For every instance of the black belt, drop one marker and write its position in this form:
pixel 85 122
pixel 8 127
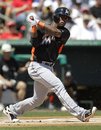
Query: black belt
pixel 47 63
pixel 44 62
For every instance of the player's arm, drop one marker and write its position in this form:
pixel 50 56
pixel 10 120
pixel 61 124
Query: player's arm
pixel 33 31
pixel 49 29
pixel 33 21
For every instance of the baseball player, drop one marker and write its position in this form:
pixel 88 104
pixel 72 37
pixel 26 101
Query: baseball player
pixel 47 43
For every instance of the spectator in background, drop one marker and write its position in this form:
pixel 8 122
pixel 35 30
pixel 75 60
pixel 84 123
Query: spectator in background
pixel 75 14
pixel 82 10
pixel 3 6
pixel 11 32
pixel 91 3
pixel 36 8
pixel 96 9
pixel 47 12
pixel 60 3
pixel 9 70
pixel 76 9
pixel 70 85
pixel 83 31
pixel 68 3
pixel 98 29
pixel 1 30
pixel 17 11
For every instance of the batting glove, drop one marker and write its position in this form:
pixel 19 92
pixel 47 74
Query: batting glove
pixel 32 19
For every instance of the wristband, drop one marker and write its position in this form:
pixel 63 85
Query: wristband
pixel 34 29
pixel 41 24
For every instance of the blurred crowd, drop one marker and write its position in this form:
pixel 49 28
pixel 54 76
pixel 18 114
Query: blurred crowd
pixel 85 23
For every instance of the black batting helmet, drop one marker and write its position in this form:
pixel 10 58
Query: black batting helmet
pixel 61 11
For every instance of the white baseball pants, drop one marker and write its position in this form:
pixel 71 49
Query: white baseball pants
pixel 45 81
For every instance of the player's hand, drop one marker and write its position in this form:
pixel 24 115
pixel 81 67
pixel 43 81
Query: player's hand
pixel 32 20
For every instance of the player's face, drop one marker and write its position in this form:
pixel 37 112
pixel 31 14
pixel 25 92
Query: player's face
pixel 61 20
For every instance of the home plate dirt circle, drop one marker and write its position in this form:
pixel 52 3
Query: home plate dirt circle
pixel 58 121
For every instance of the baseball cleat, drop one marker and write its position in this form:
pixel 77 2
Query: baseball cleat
pixel 9 114
pixel 87 115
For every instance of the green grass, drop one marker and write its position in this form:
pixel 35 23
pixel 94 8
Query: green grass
pixel 55 128
pixel 46 113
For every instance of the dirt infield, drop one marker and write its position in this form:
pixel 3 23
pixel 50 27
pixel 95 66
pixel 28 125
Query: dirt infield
pixel 48 121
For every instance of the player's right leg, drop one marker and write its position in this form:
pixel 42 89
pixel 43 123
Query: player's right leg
pixel 40 93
